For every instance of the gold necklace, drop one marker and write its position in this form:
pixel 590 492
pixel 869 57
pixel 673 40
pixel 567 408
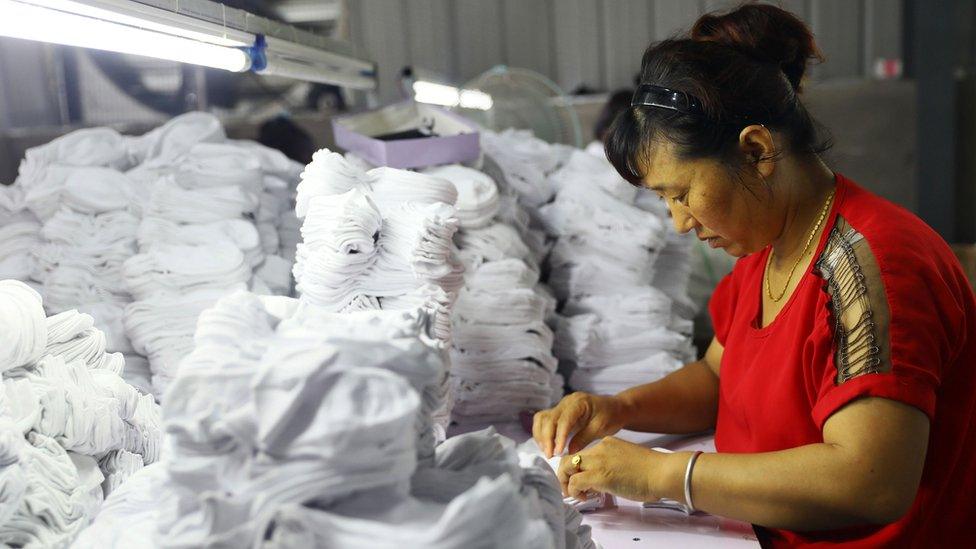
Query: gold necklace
pixel 806 248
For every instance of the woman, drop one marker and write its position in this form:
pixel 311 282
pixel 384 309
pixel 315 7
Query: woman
pixel 841 381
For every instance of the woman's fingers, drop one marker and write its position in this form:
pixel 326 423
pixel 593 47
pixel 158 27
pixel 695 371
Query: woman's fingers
pixel 566 424
pixel 544 430
pixel 581 483
pixel 584 437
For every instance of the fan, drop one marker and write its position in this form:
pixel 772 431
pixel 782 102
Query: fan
pixel 525 99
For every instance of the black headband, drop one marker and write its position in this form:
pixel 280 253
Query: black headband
pixel 652 95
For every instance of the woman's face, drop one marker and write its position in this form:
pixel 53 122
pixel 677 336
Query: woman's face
pixel 703 196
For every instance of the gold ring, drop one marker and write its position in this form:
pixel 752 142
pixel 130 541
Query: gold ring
pixel 577 461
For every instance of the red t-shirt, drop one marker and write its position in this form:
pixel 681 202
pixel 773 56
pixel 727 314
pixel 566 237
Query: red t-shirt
pixel 884 310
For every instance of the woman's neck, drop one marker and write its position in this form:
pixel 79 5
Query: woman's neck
pixel 806 184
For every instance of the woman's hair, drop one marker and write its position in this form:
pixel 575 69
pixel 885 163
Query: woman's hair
pixel 745 66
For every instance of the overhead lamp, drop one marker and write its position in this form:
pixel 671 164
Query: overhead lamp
pixel 33 21
pixel 450 96
pixel 134 14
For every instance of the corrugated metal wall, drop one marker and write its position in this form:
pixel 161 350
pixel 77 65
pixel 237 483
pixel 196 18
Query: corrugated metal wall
pixel 592 43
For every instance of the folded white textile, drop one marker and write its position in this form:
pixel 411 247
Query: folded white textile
pixel 613 379
pixel 272 161
pixel 161 326
pixel 582 168
pixel 330 174
pixel 20 403
pixel 590 341
pixel 275 272
pixel 240 233
pixel 85 147
pixel 128 517
pixel 118 466
pixel 174 138
pixel 68 226
pixel 525 163
pixel 493 243
pixel 23 326
pixel 199 205
pixel 95 190
pixel 220 165
pixel 53 509
pixel 501 274
pixel 500 307
pixel 177 268
pixel 138 373
pixel 413 523
pixel 19 236
pixel 90 480
pixel 109 319
pixel 13 468
pixel 76 412
pixel 477 202
pixel 498 400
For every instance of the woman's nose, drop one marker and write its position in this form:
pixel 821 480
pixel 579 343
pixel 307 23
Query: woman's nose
pixel 682 219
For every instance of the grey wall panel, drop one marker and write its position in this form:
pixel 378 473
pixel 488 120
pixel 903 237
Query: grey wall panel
pixel 479 36
pixel 628 30
pixel 838 26
pixel 674 16
pixel 882 31
pixel 800 8
pixel 430 25
pixel 28 95
pixel 528 34
pixel 718 5
pixel 577 39
pixel 378 26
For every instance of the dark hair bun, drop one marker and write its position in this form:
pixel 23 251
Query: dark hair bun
pixel 764 32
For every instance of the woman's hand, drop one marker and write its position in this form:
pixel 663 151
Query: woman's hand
pixel 588 416
pixel 616 467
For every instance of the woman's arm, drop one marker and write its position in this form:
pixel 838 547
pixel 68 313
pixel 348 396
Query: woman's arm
pixel 685 401
pixel 867 470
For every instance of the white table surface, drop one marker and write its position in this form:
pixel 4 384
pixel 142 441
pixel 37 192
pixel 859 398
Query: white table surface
pixel 627 524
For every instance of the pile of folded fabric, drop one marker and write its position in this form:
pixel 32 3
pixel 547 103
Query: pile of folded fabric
pixel 19 234
pixel 501 354
pixel 211 213
pixel 377 239
pixel 71 430
pixel 617 269
pixel 76 188
pixel 293 426
pixel 96 219
pixel 620 327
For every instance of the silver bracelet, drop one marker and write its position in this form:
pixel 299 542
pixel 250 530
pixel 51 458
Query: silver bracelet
pixel 689 506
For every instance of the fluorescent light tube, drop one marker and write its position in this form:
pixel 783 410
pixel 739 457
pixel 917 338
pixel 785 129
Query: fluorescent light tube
pixel 449 96
pixel 32 22
pixel 146 17
pixel 436 94
pixel 475 99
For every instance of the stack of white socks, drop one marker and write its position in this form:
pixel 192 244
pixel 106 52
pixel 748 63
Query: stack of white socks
pixel 501 356
pixel 617 269
pixel 96 219
pixel 212 223
pixel 291 426
pixel 71 430
pixel 380 239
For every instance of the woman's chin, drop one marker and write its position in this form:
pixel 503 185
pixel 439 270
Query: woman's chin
pixel 735 250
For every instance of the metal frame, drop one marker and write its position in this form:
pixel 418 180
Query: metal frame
pixel 290 51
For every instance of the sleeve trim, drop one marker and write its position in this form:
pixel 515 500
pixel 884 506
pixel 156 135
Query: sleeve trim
pixel 905 388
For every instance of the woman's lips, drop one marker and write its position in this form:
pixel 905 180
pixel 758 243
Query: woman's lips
pixel 715 242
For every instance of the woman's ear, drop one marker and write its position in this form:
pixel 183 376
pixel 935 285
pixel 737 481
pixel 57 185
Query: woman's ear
pixel 757 145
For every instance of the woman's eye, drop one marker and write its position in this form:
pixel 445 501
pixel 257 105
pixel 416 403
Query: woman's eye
pixel 683 199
